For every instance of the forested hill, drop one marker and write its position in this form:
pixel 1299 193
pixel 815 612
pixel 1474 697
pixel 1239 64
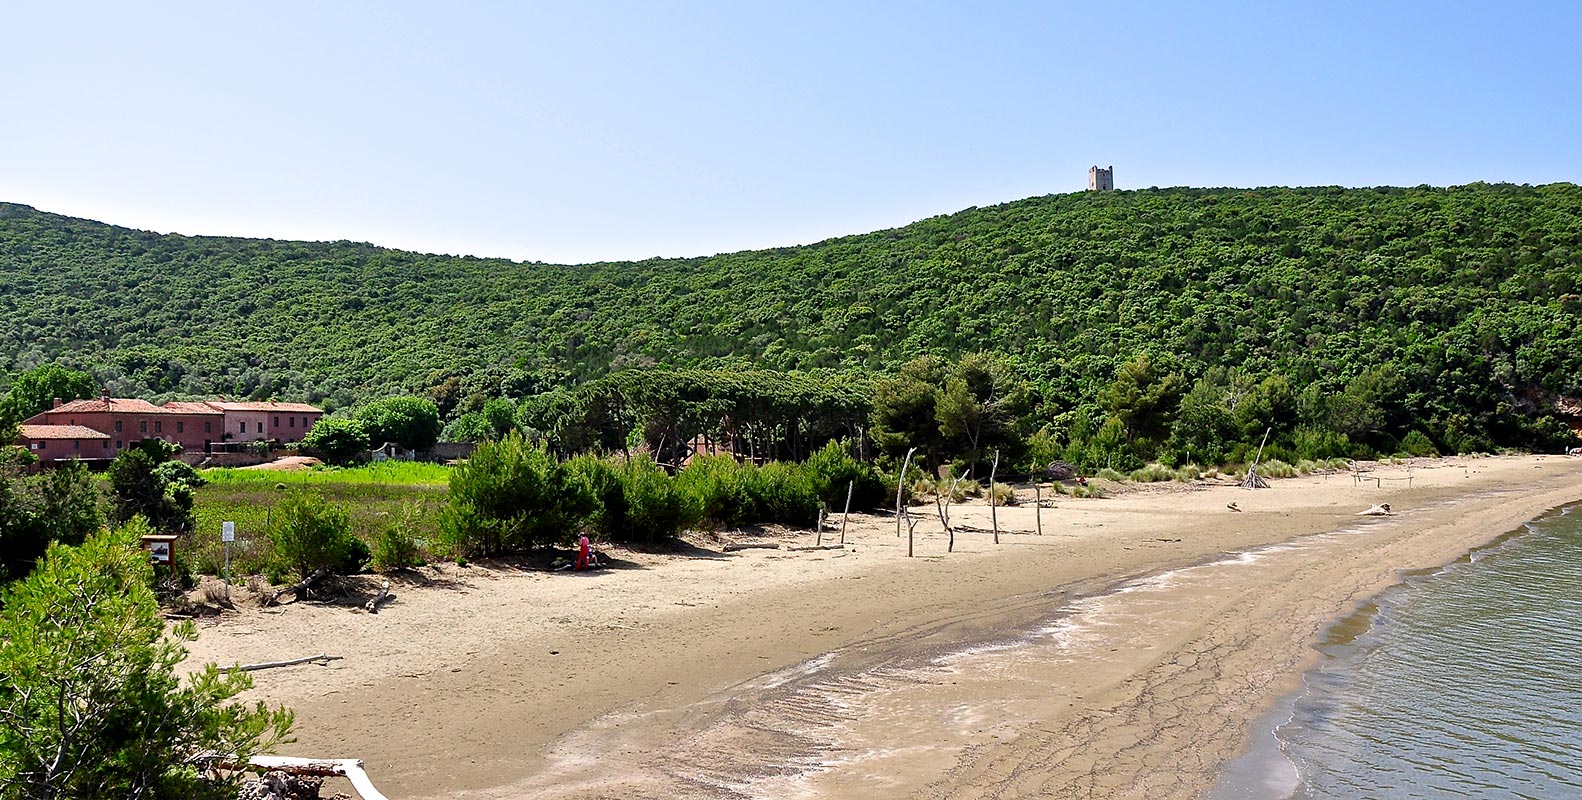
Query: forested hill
pixel 1472 292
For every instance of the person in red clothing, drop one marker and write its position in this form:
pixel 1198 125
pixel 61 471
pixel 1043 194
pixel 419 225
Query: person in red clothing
pixel 584 554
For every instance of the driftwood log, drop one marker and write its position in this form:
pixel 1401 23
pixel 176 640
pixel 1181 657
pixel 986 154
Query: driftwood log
pixel 734 546
pixel 348 768
pixel 806 547
pixel 297 588
pixel 976 529
pixel 384 596
pixel 321 657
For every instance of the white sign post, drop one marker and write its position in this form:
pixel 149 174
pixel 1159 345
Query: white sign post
pixel 227 535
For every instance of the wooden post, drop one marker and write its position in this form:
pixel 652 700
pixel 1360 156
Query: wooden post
pixel 899 483
pixel 994 516
pixel 819 526
pixel 910 526
pixel 944 512
pixel 846 513
pixel 1038 506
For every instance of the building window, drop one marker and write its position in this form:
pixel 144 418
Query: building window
pixel 117 426
pixel 277 422
pixel 159 427
pixel 260 427
pixel 304 422
pixel 142 426
pixel 208 427
pixel 241 427
pixel 104 444
pixel 76 444
pixel 118 444
pixel 292 420
pixel 181 427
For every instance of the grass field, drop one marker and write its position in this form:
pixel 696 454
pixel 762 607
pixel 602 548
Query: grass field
pixel 372 495
pixel 408 473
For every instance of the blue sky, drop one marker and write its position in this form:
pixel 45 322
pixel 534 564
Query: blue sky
pixel 579 131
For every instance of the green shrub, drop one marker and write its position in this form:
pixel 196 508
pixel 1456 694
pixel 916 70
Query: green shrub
pixel 92 705
pixel 716 489
pixel 179 472
pixel 609 494
pixel 1111 475
pixel 512 495
pixel 338 441
pixel 140 489
pixel 397 546
pixel 63 504
pixel 460 532
pixel 724 493
pixel 1318 444
pixel 1190 472
pixel 637 500
pixel 655 508
pixel 832 469
pixel 308 534
pixel 922 489
pixel 782 493
pixel 1417 443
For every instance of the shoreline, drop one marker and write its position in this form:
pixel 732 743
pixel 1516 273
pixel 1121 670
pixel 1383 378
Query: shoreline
pixel 1262 766
pixel 482 706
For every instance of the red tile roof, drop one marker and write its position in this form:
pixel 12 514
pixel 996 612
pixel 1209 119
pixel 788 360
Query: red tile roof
pixel 185 407
pixel 295 408
pixel 121 404
pixel 61 432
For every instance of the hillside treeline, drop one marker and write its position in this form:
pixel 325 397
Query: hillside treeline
pixel 1451 312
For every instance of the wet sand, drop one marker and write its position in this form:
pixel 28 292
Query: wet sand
pixel 1125 653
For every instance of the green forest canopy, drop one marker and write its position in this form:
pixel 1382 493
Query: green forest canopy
pixel 1465 299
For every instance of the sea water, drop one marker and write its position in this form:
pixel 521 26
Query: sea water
pixel 1461 682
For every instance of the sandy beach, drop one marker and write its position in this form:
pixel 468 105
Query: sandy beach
pixel 1124 653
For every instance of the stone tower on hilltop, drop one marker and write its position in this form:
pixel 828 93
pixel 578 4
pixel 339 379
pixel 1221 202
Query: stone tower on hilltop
pixel 1101 179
